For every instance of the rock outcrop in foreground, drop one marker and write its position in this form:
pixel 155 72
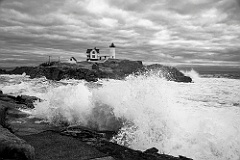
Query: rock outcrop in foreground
pixel 11 146
pixel 112 68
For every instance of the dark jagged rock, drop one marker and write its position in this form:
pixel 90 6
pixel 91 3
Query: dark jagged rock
pixel 7 98
pixel 121 68
pixel 2 71
pixel 98 139
pixel 112 68
pixel 119 152
pixel 151 150
pixel 170 73
pixel 3 111
pixel 28 70
pixel 50 145
pixel 25 100
pixel 12 147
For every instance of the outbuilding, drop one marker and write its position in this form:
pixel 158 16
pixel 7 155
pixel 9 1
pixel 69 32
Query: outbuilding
pixel 72 60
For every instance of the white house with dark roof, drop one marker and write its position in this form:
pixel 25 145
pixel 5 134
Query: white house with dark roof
pixel 93 55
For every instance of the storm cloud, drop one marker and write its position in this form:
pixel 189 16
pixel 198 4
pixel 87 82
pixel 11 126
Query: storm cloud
pixel 203 32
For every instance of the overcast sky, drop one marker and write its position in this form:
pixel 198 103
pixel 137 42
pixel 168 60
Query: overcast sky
pixel 174 32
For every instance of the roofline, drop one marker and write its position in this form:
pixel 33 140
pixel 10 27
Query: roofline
pixel 112 45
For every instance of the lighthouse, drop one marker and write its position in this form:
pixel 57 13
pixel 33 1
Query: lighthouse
pixel 112 51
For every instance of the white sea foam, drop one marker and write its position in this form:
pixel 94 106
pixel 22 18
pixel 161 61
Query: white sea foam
pixel 192 73
pixel 198 120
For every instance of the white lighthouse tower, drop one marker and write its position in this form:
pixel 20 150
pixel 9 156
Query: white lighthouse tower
pixel 112 51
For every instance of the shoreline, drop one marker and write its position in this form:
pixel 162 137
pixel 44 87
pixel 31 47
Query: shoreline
pixel 35 139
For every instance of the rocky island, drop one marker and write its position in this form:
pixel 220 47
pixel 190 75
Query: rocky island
pixel 112 68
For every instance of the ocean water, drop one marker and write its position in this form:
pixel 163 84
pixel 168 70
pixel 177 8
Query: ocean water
pixel 200 120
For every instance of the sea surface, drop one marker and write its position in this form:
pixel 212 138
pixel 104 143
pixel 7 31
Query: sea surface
pixel 200 120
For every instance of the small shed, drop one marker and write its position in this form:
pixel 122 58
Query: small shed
pixel 72 60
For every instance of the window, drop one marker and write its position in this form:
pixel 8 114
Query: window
pixel 93 55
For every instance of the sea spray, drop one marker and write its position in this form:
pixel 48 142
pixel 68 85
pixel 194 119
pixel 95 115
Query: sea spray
pixel 199 120
pixel 192 73
pixel 22 84
pixel 65 104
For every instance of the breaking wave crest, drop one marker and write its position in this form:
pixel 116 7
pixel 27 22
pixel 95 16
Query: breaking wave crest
pixel 198 120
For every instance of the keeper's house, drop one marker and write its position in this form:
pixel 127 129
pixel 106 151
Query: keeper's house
pixel 93 55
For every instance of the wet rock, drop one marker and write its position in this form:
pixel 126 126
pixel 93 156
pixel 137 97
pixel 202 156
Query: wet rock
pixel 184 158
pixel 27 100
pixel 12 147
pixel 24 101
pixel 3 111
pixel 151 150
pixel 81 132
pixel 183 79
pixel 7 98
pixel 50 145
pixel 104 158
pixel 170 73
pixel 98 140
